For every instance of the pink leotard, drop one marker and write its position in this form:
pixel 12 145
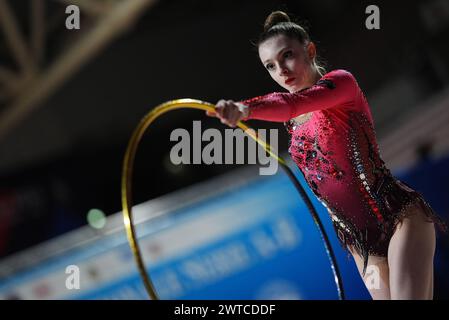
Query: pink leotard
pixel 337 152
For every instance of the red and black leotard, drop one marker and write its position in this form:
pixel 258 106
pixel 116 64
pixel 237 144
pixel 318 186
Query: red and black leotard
pixel 337 152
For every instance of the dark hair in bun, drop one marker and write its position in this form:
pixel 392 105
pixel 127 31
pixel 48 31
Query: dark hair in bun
pixel 275 18
pixel 278 22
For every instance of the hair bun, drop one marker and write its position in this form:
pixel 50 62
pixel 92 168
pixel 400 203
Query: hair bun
pixel 275 18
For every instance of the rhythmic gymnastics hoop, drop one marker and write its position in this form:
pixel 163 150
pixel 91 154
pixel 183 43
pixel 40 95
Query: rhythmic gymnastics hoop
pixel 127 171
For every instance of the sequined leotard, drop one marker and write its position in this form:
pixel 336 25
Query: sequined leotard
pixel 337 152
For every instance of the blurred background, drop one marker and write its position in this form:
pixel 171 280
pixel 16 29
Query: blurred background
pixel 70 99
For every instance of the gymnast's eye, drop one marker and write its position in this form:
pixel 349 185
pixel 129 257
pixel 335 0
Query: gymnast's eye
pixel 288 54
pixel 270 66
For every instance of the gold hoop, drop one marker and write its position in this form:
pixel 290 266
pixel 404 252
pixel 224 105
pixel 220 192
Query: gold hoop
pixel 127 172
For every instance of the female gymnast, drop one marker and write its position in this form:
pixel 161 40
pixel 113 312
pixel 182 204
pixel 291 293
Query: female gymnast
pixel 386 226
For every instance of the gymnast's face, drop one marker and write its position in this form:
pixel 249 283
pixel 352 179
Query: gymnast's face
pixel 289 62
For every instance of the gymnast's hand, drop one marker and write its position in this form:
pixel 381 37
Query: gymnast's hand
pixel 229 112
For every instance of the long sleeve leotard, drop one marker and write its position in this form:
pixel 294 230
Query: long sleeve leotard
pixel 337 152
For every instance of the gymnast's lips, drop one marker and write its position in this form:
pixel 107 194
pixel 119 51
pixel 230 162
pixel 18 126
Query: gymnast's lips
pixel 289 81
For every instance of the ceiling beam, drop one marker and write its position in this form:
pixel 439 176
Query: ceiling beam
pixel 14 38
pixel 111 24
